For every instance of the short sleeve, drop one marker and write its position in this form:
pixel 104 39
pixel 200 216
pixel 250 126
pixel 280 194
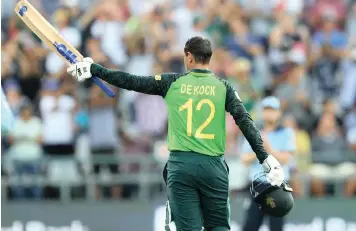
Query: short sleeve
pixel 339 41
pixel 67 103
pixel 46 104
pixel 290 140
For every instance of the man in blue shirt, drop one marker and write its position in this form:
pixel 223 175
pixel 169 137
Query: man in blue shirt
pixel 329 35
pixel 279 142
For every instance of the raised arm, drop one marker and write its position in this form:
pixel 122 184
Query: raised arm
pixel 153 85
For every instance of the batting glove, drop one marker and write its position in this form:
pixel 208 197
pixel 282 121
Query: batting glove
pixel 275 174
pixel 81 70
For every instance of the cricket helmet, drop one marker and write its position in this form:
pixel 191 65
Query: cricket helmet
pixel 272 200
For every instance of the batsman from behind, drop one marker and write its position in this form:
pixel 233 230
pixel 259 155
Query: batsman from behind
pixel 196 173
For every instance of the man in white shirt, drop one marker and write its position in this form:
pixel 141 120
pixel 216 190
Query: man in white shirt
pixel 26 152
pixel 57 111
pixel 110 22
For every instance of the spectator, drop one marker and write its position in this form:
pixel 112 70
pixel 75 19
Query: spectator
pixel 103 136
pixel 9 52
pixel 320 7
pixel 183 17
pixel 324 74
pixel 329 36
pixel 260 13
pixel 141 59
pixel 199 25
pixel 242 43
pixel 330 106
pixel 216 26
pixel 303 147
pixel 246 85
pixel 138 113
pixel 7 9
pixel 167 51
pixel 293 8
pixel 283 39
pixel 221 63
pixel 54 63
pixel 348 88
pixel 294 91
pixel 351 22
pixel 110 20
pixel 94 50
pixel 14 97
pixel 150 121
pixel 57 110
pixel 330 159
pixel 26 151
pixel 302 156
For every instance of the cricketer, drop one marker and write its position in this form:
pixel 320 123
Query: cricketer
pixel 196 174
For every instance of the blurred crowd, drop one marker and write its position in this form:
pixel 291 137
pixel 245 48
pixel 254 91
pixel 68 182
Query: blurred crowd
pixel 302 51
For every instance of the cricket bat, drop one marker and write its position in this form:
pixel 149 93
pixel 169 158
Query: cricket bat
pixel 49 35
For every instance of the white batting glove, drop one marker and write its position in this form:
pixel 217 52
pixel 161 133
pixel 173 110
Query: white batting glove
pixel 275 174
pixel 81 70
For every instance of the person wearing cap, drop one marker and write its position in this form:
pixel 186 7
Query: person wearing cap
pixel 279 142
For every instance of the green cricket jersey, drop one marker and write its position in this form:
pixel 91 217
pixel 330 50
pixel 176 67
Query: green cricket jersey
pixel 196 103
pixel 196 113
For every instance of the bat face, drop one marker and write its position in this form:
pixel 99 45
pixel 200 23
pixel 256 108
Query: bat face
pixel 46 32
pixel 50 36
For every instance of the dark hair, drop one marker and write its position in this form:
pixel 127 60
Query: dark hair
pixel 200 48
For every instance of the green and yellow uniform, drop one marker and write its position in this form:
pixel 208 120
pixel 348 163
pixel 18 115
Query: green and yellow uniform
pixel 196 173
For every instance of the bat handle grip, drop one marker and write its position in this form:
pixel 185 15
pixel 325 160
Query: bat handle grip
pixel 103 87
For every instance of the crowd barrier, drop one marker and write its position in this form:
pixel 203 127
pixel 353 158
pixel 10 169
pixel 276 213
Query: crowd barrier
pixel 330 214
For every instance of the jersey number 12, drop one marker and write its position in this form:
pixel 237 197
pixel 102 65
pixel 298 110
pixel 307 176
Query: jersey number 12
pixel 199 132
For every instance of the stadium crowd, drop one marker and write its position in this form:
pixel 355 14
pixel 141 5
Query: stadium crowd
pixel 302 51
